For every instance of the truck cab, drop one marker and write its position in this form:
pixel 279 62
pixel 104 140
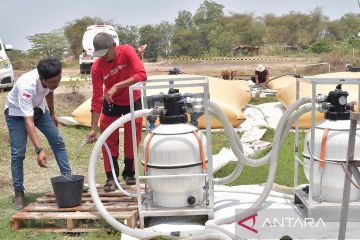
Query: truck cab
pixel 85 59
pixel 6 69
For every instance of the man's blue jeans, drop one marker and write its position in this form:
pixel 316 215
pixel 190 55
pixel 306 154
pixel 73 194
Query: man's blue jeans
pixel 18 140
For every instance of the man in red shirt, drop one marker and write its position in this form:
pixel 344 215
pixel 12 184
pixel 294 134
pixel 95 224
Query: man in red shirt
pixel 113 72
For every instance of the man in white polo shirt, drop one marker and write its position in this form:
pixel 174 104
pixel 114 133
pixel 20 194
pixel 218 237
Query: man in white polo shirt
pixel 25 110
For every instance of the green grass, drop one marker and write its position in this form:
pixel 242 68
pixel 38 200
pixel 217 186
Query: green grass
pixel 251 175
pixel 257 100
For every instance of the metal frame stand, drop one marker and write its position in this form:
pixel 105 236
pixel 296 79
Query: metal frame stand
pixel 145 204
pixel 352 171
pixel 313 208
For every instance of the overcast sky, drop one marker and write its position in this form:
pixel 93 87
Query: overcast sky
pixel 21 18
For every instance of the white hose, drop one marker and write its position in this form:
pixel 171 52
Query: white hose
pixel 115 177
pixel 260 110
pixel 235 141
pixel 292 119
pixel 214 224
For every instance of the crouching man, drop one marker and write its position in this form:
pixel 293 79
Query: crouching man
pixel 25 110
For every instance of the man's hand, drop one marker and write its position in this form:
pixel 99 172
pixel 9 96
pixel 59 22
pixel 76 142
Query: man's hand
pixel 54 118
pixel 110 93
pixel 42 159
pixel 119 85
pixel 91 137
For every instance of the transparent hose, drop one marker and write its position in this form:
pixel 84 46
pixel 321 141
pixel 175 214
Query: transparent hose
pixel 115 177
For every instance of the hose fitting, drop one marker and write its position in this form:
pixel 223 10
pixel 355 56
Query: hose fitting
pixel 320 98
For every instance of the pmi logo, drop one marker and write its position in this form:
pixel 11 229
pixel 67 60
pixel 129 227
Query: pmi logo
pixel 250 228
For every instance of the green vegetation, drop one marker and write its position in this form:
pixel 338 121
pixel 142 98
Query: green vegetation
pixel 53 44
pixel 75 83
pixel 321 46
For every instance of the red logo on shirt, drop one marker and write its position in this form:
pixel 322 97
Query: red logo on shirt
pixel 114 71
pixel 25 94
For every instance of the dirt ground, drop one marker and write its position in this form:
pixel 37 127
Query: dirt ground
pixel 214 68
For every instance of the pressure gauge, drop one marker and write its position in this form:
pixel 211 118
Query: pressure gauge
pixel 342 100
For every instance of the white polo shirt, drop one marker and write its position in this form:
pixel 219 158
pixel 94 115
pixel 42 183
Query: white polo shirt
pixel 26 94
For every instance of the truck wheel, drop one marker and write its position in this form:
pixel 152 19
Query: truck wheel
pixel 88 68
pixel 85 68
pixel 82 71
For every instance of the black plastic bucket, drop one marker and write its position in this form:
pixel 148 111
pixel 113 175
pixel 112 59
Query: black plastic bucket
pixel 68 193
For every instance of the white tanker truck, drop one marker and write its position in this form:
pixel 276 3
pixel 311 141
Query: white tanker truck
pixel 86 59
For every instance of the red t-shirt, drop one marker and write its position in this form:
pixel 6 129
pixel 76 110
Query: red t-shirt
pixel 107 74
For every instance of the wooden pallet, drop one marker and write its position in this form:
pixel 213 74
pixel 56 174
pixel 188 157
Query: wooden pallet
pixel 46 210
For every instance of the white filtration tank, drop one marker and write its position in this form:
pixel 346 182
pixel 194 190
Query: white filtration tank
pixel 336 152
pixel 174 149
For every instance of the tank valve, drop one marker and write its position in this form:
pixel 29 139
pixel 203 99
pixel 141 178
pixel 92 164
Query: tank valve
pixel 191 200
pixel 152 120
pixel 338 108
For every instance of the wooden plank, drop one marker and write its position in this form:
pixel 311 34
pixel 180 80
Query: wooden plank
pixel 111 194
pixel 102 193
pixel 15 224
pixel 131 221
pixel 70 224
pixel 67 215
pixel 85 207
pixel 89 199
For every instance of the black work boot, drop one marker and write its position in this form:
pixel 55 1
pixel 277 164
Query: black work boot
pixel 128 173
pixel 19 199
pixel 130 180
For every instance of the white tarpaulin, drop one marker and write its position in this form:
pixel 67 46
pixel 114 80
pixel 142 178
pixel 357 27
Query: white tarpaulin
pixel 258 119
pixel 290 220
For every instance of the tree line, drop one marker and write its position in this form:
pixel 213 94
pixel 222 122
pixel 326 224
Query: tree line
pixel 209 32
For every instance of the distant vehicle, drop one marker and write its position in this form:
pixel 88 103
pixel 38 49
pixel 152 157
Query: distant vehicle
pixel 86 59
pixel 6 69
